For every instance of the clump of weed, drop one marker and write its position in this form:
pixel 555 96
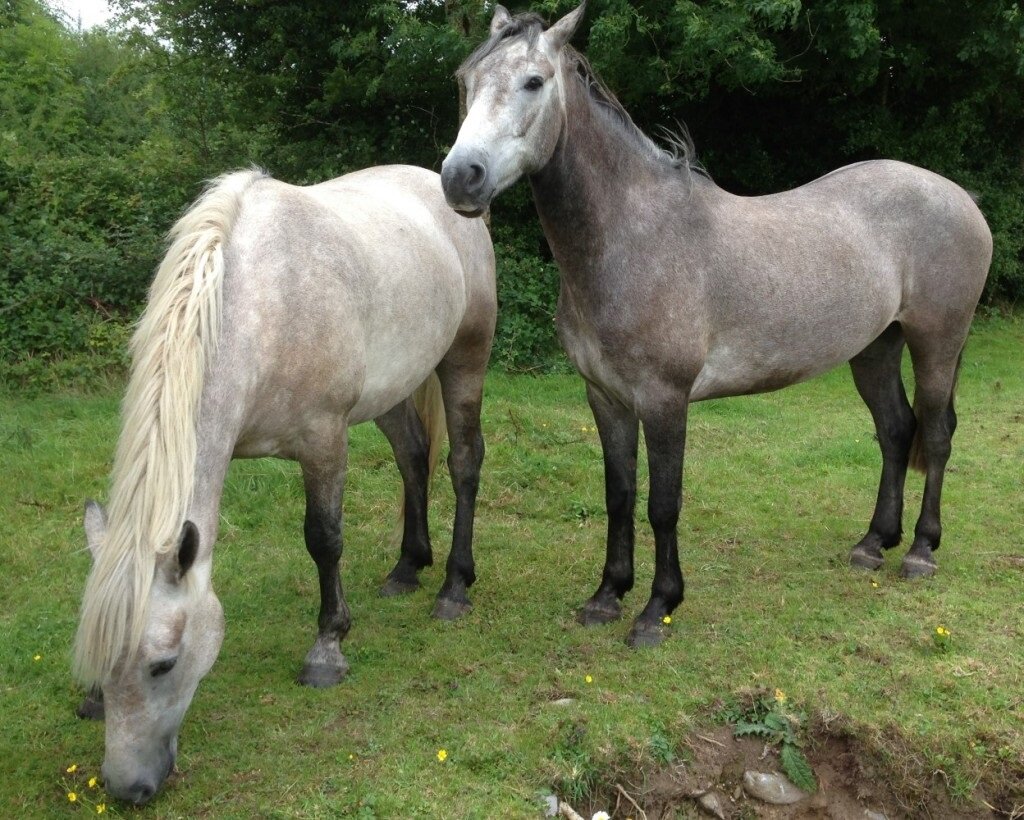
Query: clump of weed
pixel 769 715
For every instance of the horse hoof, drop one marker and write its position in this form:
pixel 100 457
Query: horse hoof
pixel 866 558
pixel 91 708
pixel 322 676
pixel 917 566
pixel 594 613
pixel 644 634
pixel 393 587
pixel 445 609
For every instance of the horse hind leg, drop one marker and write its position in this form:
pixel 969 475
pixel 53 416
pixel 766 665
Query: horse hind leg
pixel 936 368
pixel 876 373
pixel 409 440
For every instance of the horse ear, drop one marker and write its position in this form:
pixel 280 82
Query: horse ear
pixel 561 32
pixel 500 19
pixel 95 522
pixel 188 547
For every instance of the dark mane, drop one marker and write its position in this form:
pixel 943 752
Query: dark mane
pixel 680 153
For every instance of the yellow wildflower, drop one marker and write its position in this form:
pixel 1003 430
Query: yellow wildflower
pixel 100 808
pixel 588 679
pixel 72 797
pixel 442 755
pixel 72 768
pixel 667 620
pixel 92 782
pixel 780 696
pixel 37 657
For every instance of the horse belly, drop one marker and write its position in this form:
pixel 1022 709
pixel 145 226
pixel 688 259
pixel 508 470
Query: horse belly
pixel 738 367
pixel 401 352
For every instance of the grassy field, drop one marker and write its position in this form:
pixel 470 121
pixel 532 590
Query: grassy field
pixel 778 488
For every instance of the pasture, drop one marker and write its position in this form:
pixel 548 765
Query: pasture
pixel 484 716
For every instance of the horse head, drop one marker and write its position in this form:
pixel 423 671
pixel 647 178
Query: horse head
pixel 515 108
pixel 149 686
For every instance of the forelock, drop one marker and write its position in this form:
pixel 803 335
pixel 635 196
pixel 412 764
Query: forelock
pixel 527 26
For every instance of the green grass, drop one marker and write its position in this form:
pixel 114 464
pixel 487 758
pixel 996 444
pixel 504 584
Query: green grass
pixel 778 488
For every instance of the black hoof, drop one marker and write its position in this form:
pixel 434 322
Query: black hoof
pixel 866 557
pixel 645 633
pixel 393 587
pixel 445 609
pixel 594 613
pixel 91 708
pixel 917 566
pixel 321 676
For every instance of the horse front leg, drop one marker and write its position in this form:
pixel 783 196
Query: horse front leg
pixel 462 386
pixel 665 433
pixel 618 428
pixel 324 480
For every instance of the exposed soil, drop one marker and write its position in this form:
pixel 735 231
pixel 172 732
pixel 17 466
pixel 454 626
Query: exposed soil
pixel 854 782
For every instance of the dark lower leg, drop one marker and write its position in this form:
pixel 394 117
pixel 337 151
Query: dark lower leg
pixel 408 440
pixel 876 373
pixel 937 432
pixel 618 428
pixel 666 443
pixel 463 392
pixel 325 665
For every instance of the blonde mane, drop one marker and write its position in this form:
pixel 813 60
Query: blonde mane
pixel 154 466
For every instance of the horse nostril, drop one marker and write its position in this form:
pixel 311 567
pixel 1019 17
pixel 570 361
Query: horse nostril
pixel 141 793
pixel 475 176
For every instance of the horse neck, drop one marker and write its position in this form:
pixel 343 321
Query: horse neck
pixel 579 194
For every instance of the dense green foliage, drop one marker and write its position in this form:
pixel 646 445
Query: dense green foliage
pixel 107 135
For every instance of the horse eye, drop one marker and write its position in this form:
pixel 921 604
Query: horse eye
pixel 533 83
pixel 162 667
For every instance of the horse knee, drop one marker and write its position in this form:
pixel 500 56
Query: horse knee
pixel 664 513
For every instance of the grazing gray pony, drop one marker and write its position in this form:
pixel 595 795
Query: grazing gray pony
pixel 673 290
pixel 279 317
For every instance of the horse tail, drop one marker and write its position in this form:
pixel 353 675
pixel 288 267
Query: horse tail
pixel 918 461
pixel 428 402
pixel 152 480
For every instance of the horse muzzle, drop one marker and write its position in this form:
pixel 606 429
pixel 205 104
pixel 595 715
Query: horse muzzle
pixel 139 786
pixel 466 182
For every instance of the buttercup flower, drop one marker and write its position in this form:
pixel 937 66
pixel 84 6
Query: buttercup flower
pixel 667 620
pixel 92 782
pixel 37 657
pixel 72 797
pixel 72 768
pixel 442 755
pixel 780 696
pixel 588 679
pixel 100 808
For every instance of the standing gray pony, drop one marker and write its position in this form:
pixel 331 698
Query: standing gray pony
pixel 673 290
pixel 279 317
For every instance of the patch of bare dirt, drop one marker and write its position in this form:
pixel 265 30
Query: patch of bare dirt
pixel 857 780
